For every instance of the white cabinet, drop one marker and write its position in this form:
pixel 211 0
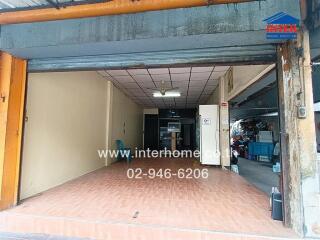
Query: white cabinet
pixel 209 134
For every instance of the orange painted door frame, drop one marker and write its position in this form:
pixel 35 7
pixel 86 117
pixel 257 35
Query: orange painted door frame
pixel 13 73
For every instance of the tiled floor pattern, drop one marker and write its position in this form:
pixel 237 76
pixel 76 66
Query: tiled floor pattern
pixel 106 204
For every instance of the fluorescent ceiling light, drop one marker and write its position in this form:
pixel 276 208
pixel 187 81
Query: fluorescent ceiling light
pixel 272 114
pixel 167 94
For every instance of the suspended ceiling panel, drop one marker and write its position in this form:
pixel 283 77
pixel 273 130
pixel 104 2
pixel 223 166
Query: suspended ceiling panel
pixel 195 84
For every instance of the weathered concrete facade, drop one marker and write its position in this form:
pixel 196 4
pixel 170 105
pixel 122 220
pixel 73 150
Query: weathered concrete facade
pixel 300 175
pixel 220 33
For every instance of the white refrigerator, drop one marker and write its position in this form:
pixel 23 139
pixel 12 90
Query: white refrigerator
pixel 209 134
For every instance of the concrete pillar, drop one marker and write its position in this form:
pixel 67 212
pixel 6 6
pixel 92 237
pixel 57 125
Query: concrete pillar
pixel 109 143
pixel 224 122
pixel 298 139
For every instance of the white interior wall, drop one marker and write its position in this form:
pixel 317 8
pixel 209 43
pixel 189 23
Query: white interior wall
pixel 70 116
pixel 66 125
pixel 126 121
pixel 214 97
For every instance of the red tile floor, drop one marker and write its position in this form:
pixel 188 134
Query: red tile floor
pixel 105 204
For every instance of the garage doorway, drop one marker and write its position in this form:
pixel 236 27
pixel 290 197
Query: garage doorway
pixel 118 98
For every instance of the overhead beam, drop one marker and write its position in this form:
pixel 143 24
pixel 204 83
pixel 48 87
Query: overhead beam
pixel 222 56
pixel 115 7
pixel 169 30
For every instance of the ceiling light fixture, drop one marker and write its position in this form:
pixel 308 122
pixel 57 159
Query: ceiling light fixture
pixel 167 94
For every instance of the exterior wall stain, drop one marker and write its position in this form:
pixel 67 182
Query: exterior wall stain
pixel 301 180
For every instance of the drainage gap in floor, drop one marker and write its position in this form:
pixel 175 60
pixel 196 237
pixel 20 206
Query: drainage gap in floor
pixel 135 215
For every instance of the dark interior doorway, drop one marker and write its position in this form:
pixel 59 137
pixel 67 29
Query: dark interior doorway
pixel 151 128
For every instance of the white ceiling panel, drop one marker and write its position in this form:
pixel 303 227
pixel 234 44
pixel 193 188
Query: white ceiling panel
pixel 118 72
pixel 208 91
pixel 127 91
pixel 211 87
pixel 138 71
pixel 221 68
pixel 180 70
pixel 201 69
pixel 146 101
pixel 178 83
pixel 183 91
pixel 116 83
pixel 136 92
pixel 205 96
pixel 142 78
pixel 199 83
pixel 138 84
pixel 196 88
pixel 159 71
pixel 123 79
pixel 157 100
pixel 150 94
pixel 167 84
pixel 180 77
pixel 131 85
pixel 160 77
pixel 217 75
pixel 183 94
pixel 213 82
pixel 193 98
pixel 200 76
pixel 147 85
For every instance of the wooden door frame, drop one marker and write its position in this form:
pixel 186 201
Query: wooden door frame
pixel 13 74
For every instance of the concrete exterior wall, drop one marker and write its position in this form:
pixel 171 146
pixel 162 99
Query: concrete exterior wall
pixel 66 125
pixel 186 35
pixel 298 139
